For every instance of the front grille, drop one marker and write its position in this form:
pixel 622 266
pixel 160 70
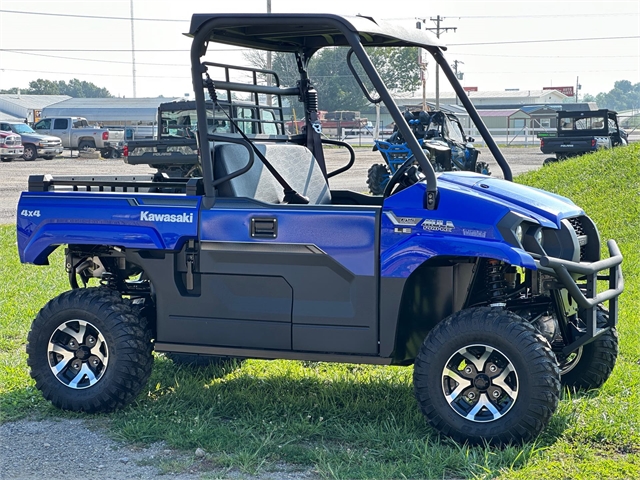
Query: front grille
pixel 12 141
pixel 583 239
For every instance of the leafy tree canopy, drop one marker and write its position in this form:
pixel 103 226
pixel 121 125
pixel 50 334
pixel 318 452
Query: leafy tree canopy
pixel 75 88
pixel 623 96
pixel 330 74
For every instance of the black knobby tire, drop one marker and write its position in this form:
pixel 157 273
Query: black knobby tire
pixel 377 178
pixel 86 146
pixel 483 167
pixel 593 363
pixel 525 378
pixel 549 161
pixel 30 153
pixel 109 153
pixel 112 341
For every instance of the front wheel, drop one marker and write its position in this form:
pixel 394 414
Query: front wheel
pixel 30 153
pixel 486 375
pixel 90 350
pixel 377 178
pixel 591 365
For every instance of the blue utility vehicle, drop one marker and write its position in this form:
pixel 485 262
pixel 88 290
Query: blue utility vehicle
pixel 495 304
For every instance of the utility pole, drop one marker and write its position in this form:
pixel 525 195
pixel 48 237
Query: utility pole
pixel 437 30
pixel 578 87
pixel 133 51
pixel 460 75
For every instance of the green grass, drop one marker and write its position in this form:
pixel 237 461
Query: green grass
pixel 348 421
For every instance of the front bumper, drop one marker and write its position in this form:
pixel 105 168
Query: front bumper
pixel 42 151
pixel 585 293
pixel 11 152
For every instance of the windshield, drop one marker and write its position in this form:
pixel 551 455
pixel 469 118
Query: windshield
pixel 22 128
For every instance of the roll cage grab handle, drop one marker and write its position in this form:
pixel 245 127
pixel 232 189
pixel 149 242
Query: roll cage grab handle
pixel 430 200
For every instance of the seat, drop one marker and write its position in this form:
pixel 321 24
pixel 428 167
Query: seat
pixel 295 163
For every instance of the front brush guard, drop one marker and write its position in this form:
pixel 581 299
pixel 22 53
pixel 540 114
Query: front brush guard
pixel 586 295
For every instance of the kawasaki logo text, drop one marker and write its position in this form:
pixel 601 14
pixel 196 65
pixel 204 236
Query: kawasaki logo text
pixel 165 217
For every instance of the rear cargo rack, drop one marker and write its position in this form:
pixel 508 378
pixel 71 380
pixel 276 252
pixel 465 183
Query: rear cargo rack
pixel 158 183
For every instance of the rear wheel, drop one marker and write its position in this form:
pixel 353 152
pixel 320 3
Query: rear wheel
pixel 49 157
pixel 549 161
pixel 89 351
pixel 86 146
pixel 5 159
pixel 485 375
pixel 30 152
pixel 377 178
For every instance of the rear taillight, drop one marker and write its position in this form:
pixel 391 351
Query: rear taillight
pixel 541 142
pixel 105 135
pixel 125 151
pixel 594 142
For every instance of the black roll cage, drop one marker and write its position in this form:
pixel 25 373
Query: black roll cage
pixel 305 34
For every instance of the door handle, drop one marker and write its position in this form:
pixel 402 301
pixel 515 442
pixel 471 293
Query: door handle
pixel 262 227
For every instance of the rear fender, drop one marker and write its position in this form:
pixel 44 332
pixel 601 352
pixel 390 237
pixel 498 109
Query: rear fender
pixel 37 247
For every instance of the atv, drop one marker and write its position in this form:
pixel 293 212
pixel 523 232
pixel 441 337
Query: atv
pixel 441 136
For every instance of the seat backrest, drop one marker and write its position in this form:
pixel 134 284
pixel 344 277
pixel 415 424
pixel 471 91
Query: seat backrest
pixel 295 163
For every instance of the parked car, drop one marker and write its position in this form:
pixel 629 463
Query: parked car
pixel 35 144
pixel 77 134
pixel 10 146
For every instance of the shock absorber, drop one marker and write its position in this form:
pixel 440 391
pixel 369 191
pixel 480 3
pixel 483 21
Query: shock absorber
pixel 496 284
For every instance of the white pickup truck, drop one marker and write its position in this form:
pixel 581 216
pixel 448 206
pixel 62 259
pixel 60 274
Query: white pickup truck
pixel 77 134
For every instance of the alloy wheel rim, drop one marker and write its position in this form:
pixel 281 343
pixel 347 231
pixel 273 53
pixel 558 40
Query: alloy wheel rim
pixel 480 383
pixel 78 354
pixel 570 362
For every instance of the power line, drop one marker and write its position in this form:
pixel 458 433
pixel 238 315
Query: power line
pixel 572 15
pixel 543 41
pixel 100 17
pixel 88 74
pixel 186 65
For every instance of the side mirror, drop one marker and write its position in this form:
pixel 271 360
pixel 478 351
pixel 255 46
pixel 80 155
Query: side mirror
pixel 471 139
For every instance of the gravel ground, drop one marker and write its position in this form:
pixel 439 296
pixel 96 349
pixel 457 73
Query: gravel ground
pixel 78 449
pixel 14 175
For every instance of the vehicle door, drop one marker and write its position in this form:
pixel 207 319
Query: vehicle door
pixel 60 128
pixel 291 277
pixel 43 127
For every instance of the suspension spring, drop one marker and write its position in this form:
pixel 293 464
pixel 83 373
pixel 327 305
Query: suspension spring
pixel 496 284
pixel 312 99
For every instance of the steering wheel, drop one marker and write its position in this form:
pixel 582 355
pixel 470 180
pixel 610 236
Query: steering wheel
pixel 406 175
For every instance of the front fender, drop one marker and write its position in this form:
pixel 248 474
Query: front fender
pixel 400 261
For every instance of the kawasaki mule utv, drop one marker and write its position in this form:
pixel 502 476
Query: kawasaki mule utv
pixel 495 304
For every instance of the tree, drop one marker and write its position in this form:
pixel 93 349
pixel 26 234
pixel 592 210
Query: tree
pixel 75 88
pixel 330 74
pixel 623 96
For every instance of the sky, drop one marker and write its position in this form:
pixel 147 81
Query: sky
pixel 512 44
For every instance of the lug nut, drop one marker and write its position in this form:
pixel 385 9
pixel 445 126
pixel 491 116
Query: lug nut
pixel 72 343
pixel 75 365
pixel 493 368
pixel 495 394
pixel 468 370
pixel 471 395
pixel 91 340
pixel 95 362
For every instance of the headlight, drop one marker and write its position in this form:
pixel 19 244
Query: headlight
pixel 539 237
pixel 519 233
